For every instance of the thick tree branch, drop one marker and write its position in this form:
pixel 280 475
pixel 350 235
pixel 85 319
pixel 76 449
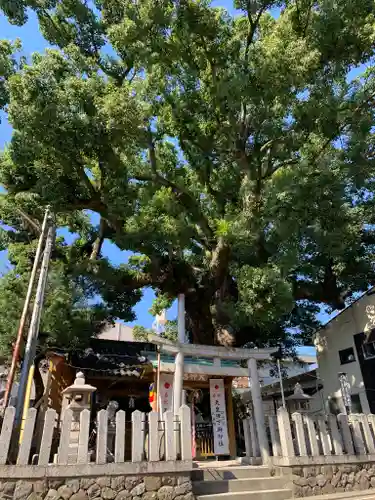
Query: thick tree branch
pixel 33 223
pixel 253 26
pixel 97 246
pixel 303 26
pixel 183 196
pixel 322 292
pixel 341 127
pixel 254 23
pixel 271 169
pixel 220 262
pixel 87 182
pixel 94 53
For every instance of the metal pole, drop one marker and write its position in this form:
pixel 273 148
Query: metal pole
pixel 27 399
pixel 32 337
pixel 281 384
pixel 17 347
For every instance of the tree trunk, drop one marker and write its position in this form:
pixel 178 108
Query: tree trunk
pixel 199 318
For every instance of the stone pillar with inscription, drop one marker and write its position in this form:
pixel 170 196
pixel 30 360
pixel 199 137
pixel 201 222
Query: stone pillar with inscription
pixel 77 398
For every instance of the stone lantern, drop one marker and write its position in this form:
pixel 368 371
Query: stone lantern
pixel 298 401
pixel 77 398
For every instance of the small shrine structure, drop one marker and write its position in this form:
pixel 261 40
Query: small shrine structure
pixel 200 375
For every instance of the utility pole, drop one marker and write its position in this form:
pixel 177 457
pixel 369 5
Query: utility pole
pixel 17 347
pixel 32 337
pixel 281 383
pixel 278 355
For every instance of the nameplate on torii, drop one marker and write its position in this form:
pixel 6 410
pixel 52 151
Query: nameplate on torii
pixel 195 377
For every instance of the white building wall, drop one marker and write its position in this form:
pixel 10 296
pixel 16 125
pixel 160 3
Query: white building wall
pixel 336 336
pixel 292 369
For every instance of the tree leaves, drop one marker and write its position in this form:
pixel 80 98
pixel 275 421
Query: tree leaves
pixel 232 155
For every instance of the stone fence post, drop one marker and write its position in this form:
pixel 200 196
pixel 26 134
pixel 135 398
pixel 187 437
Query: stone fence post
pixel 285 430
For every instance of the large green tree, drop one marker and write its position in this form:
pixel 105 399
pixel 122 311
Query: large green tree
pixel 232 154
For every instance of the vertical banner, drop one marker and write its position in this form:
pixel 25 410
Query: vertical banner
pixel 152 397
pixel 166 393
pixel 219 417
pixel 193 432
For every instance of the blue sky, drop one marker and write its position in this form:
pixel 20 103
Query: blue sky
pixel 33 41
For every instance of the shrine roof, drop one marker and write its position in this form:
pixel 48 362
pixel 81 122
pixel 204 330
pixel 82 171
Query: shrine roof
pixel 310 382
pixel 110 357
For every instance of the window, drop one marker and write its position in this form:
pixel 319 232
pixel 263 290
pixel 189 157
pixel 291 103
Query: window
pixel 334 407
pixel 347 356
pixel 356 404
pixel 368 350
pixel 303 405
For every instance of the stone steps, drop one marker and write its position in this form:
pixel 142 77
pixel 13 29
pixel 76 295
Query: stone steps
pixel 250 495
pixel 221 473
pixel 238 483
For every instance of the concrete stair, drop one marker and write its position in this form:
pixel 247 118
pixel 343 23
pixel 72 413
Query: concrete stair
pixel 238 483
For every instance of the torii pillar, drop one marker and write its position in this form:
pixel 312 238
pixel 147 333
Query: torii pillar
pixel 179 360
pixel 256 397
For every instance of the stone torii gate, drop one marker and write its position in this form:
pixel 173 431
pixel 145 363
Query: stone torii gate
pixel 219 353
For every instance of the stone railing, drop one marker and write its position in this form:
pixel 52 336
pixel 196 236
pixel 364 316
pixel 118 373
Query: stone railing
pixel 108 440
pixel 318 454
pixel 305 439
pixel 76 459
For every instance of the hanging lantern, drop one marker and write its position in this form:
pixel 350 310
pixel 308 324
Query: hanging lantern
pixel 195 396
pixel 131 402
